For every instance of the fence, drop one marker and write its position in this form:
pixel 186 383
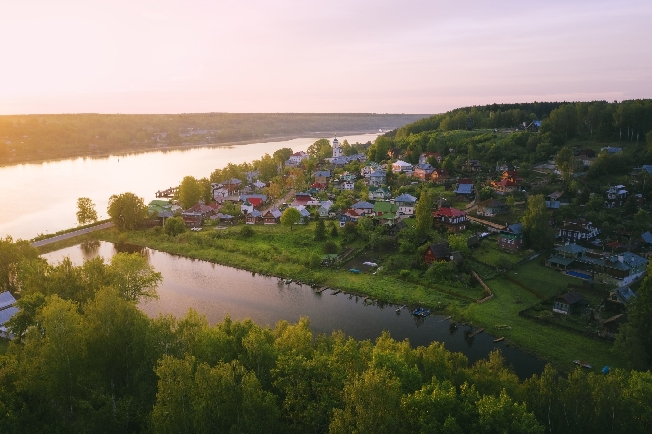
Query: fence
pixel 484 285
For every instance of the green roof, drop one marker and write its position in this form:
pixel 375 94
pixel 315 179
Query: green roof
pixel 384 207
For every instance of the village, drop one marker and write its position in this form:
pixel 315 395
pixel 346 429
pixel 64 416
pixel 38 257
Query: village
pixel 581 281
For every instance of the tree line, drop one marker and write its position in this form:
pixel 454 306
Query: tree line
pixel 86 359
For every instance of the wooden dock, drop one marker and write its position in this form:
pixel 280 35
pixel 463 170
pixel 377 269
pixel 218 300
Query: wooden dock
pixel 170 192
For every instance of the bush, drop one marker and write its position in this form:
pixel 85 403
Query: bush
pixel 174 226
pixel 404 274
pixel 247 231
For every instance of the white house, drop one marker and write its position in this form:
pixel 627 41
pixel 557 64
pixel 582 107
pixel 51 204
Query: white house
pixel 402 166
pixel 405 203
pixel 296 158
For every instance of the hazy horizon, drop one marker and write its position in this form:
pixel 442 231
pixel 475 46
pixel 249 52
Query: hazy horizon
pixel 290 56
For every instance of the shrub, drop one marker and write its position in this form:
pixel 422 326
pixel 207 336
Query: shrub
pixel 246 231
pixel 330 247
pixel 174 226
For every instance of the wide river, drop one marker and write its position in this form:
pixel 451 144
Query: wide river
pixel 42 198
pixel 216 291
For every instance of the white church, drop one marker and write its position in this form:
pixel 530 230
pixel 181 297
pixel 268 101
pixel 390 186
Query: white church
pixel 337 149
pixel 339 159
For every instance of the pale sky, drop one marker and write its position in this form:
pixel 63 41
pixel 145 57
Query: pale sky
pixel 399 56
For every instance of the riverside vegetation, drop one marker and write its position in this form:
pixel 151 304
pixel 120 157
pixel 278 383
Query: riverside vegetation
pixel 86 359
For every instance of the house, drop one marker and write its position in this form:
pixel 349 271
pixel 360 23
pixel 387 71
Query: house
pixel 618 299
pixel 450 218
pixel 437 253
pixel 466 190
pixel 296 158
pixel 533 127
pixel 272 217
pixel 647 237
pixel 316 187
pixel 568 303
pixel 232 185
pixel 616 196
pixel 490 207
pixel 504 186
pixel 576 230
pixel 423 171
pixel 472 166
pixel 254 217
pixel 402 166
pixel 425 156
pixel 379 193
pixel 325 209
pixel 439 175
pixel 365 207
pixel 405 203
pixel 258 185
pixel 192 219
pixel 304 199
pixel 511 238
pixel 350 215
pixel 304 214
pixel 322 176
pixel 255 199
pixel 565 255
pixel 343 185
pixel 377 178
pixel 370 168
pixel 7 311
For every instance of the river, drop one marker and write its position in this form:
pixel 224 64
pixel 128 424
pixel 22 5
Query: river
pixel 42 198
pixel 216 291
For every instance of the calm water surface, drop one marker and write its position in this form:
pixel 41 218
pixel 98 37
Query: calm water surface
pixel 42 198
pixel 216 291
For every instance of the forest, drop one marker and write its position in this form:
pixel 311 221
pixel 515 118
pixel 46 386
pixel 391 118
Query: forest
pixel 86 359
pixel 25 138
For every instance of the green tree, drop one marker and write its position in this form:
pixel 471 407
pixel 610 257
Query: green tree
pixel 127 211
pixel 230 208
pixel 333 232
pixel 459 243
pixel 133 277
pixel 282 155
pixel 290 217
pixel 536 223
pixel 423 213
pixel 11 254
pixel 85 211
pixel 190 192
pixel 320 230
pixel 174 226
pixel 320 149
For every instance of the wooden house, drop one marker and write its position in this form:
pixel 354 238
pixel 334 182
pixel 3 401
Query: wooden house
pixel 272 217
pixel 254 217
pixel 511 238
pixel 568 303
pixel 490 208
pixel 437 253
pixel 423 171
pixel 450 218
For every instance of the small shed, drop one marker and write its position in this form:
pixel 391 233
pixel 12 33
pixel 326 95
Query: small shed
pixel 568 303
pixel 437 252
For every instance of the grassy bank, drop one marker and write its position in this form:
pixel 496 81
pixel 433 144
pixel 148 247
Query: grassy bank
pixel 275 250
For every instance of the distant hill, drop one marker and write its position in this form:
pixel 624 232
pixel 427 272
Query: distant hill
pixel 25 138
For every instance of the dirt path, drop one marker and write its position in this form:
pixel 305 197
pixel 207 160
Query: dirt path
pixel 281 201
pixel 71 234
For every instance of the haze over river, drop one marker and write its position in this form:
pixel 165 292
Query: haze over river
pixel 42 198
pixel 216 291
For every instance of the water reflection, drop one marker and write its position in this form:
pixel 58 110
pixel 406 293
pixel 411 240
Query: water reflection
pixel 90 248
pixel 217 291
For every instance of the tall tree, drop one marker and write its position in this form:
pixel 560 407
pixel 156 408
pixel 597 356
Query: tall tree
pixel 190 192
pixel 290 216
pixel 320 149
pixel 536 223
pixel 133 277
pixel 86 211
pixel 423 213
pixel 127 211
pixel 320 230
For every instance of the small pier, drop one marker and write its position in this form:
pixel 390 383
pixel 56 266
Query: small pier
pixel 170 192
pixel 477 332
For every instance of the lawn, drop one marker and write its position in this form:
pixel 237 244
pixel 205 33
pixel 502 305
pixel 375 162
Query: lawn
pixel 489 253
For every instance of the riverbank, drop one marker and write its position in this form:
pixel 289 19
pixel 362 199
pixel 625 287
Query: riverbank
pixel 184 146
pixel 287 254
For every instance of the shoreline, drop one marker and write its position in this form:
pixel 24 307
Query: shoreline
pixel 144 150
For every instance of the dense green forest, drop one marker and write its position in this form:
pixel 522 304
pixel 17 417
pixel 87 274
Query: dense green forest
pixel 86 359
pixel 39 137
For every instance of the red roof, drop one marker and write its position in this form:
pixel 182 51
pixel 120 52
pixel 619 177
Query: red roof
pixel 506 183
pixel 465 181
pixel 255 201
pixel 318 185
pixel 448 212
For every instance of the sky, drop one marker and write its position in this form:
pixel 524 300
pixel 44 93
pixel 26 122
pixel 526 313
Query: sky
pixel 376 56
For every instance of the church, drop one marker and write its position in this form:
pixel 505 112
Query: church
pixel 337 149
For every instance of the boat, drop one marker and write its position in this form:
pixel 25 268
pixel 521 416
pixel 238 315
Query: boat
pixel 398 309
pixel 582 363
pixel 354 270
pixel 337 291
pixel 417 311
pixel 287 282
pixel 425 313
pixel 499 339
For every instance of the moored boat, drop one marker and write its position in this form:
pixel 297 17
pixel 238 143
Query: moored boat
pixel 582 363
pixel 499 339
pixel 417 311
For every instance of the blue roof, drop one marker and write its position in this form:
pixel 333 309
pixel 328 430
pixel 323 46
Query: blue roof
pixel 362 205
pixel 379 173
pixel 323 173
pixel 6 299
pixel 647 168
pixel 516 228
pixel 464 189
pixel 6 314
pixel 405 198
pixel 624 294
pixel 647 237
